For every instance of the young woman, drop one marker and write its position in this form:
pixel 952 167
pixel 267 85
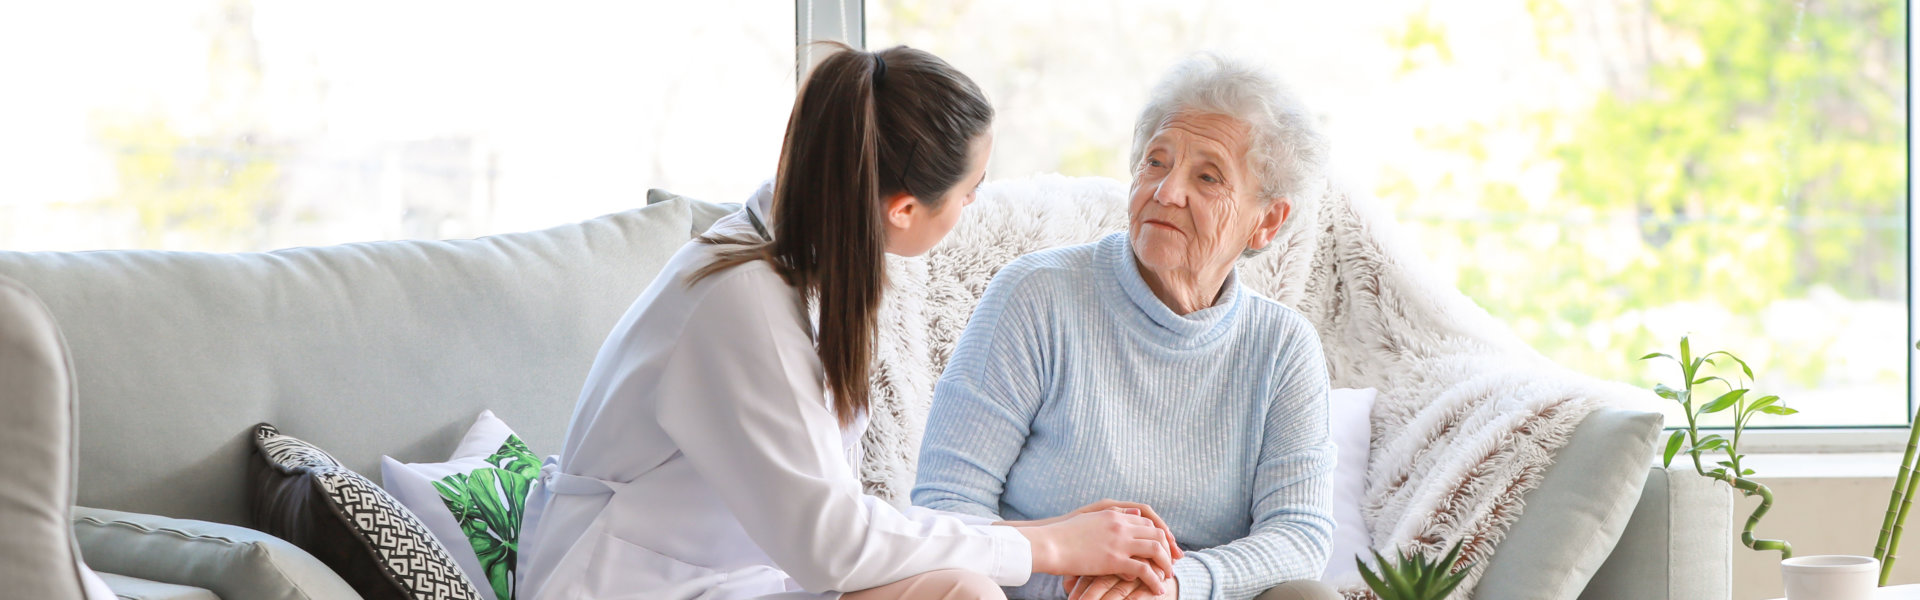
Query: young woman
pixel 710 454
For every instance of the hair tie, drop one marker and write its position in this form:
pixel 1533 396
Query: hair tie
pixel 879 69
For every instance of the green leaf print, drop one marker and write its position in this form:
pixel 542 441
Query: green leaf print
pixel 487 503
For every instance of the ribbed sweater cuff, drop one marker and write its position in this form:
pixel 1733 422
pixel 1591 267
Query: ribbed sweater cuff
pixel 1196 582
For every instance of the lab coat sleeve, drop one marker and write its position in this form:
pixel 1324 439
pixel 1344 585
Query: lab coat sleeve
pixel 921 513
pixel 742 398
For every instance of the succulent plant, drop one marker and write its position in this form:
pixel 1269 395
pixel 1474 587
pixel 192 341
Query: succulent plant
pixel 1415 577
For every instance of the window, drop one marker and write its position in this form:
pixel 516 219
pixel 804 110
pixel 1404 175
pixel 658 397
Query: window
pixel 1604 176
pixel 229 125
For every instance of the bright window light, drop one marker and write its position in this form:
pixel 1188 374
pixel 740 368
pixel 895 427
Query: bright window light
pixel 1602 176
pixel 228 125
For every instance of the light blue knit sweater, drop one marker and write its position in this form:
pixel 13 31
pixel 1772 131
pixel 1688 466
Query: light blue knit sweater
pixel 1073 383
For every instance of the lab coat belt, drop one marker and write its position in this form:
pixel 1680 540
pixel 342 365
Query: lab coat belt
pixel 568 484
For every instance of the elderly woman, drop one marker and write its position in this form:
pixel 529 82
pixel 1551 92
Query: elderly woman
pixel 1137 367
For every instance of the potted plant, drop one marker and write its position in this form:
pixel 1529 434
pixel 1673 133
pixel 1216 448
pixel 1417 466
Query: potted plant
pixel 1415 577
pixel 1805 577
pixel 1696 446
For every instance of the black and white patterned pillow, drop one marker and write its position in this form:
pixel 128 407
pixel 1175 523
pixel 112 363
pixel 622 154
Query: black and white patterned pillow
pixel 305 496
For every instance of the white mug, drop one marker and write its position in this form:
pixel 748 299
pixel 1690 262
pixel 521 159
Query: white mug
pixel 1834 577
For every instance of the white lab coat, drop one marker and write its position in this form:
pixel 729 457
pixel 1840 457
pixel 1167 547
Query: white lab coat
pixel 703 462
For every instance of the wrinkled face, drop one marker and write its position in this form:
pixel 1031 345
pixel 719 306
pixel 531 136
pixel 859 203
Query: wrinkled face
pixel 1195 205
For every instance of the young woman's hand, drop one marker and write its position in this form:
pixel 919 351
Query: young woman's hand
pixel 1104 542
pixel 1143 510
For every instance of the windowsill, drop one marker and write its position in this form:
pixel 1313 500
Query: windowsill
pixel 1820 441
pixel 1844 465
pixel 1812 465
pixel 1818 453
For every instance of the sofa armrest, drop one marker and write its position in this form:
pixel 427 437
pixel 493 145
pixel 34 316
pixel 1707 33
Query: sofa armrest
pixel 1678 544
pixel 230 561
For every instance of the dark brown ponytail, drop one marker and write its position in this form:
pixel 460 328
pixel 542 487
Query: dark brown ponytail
pixel 866 126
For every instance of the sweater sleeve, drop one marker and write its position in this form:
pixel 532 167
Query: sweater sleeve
pixel 744 404
pixel 1292 501
pixel 984 405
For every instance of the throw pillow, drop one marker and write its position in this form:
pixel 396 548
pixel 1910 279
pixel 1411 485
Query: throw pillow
pixel 474 501
pixel 304 496
pixel 1348 414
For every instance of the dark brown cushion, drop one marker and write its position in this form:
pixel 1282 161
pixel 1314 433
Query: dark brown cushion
pixel 299 493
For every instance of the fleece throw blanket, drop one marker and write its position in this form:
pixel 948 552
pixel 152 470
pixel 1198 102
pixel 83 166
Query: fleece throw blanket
pixel 1468 417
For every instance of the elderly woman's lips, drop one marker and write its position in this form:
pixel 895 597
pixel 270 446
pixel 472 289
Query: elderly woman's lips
pixel 1162 224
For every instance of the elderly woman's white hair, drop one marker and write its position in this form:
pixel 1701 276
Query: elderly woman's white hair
pixel 1286 150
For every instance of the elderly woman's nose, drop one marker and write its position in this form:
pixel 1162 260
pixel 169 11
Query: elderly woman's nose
pixel 1170 192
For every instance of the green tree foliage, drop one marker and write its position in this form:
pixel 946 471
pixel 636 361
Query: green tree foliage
pixel 210 186
pixel 1757 154
pixel 179 186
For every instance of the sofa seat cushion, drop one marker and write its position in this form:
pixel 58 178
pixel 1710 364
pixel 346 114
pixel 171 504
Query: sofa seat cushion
pixel 228 560
pixel 135 588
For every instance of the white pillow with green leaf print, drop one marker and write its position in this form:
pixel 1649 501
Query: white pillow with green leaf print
pixel 473 502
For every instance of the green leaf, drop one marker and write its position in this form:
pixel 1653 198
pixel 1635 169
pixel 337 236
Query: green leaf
pixel 1452 582
pixel 1373 581
pixel 1704 380
pixel 1414 576
pixel 1763 402
pixel 1686 351
pixel 1401 576
pixel 1673 446
pixel 1723 402
pixel 1743 364
pixel 1657 355
pixel 1778 410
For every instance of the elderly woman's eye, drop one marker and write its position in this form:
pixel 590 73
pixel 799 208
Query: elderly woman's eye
pixel 1154 162
pixel 1209 178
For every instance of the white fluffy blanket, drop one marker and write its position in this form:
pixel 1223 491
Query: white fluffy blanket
pixel 1467 419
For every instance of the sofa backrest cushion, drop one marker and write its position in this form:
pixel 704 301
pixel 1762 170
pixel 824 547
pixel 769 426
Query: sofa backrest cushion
pixel 364 349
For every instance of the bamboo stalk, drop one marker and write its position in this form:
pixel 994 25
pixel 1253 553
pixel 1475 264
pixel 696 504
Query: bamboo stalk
pixel 1899 525
pixel 1902 494
pixel 1753 488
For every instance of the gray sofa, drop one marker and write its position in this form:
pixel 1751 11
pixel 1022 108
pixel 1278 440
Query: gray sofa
pixel 393 347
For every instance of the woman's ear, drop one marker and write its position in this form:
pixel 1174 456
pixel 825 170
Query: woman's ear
pixel 1278 211
pixel 901 210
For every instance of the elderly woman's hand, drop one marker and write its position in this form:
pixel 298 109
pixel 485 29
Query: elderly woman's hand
pixel 1109 587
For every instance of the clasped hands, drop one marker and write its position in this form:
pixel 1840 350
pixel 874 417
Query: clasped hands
pixel 1108 550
